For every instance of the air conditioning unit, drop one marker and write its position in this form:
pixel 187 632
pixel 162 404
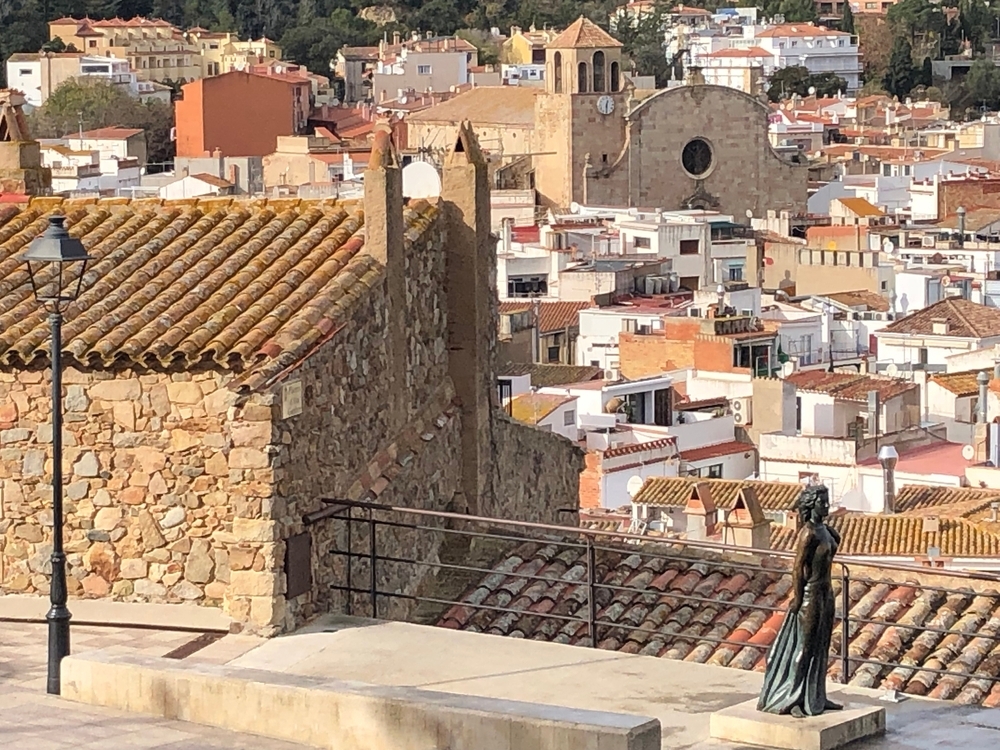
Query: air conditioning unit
pixel 928 241
pixel 741 410
pixel 611 374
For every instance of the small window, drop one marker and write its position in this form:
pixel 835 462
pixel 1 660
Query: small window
pixel 213 46
pixel 423 70
pixel 714 471
pixel 922 356
pixel 557 73
pixel 615 83
pixel 595 363
pixel 553 355
pixel 24 72
pixel 271 53
pixel 569 418
pixel 689 247
pixel 630 325
pixel 581 78
pixel 91 42
pixel 598 62
pixel 642 243
pixel 885 285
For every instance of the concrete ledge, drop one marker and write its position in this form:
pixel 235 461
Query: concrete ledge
pixel 744 724
pixel 342 715
pixel 22 607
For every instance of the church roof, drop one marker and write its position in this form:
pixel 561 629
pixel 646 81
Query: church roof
pixel 583 34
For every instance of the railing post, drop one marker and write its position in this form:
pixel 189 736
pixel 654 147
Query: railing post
pixel 373 558
pixel 350 560
pixel 845 626
pixel 591 592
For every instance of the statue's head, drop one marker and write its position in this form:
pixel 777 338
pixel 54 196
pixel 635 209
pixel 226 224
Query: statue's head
pixel 814 503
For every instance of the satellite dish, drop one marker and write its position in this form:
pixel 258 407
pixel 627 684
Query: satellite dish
pixel 812 91
pixel 634 485
pixel 787 369
pixel 968 452
pixel 946 281
pixel 749 213
pixel 887 246
pixel 892 371
pixel 574 207
pixel 421 180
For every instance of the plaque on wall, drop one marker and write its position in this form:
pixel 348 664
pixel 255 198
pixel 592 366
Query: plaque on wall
pixel 291 399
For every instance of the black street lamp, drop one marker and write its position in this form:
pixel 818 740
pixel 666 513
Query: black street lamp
pixel 56 263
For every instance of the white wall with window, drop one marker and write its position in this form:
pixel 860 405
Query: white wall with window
pixel 597 344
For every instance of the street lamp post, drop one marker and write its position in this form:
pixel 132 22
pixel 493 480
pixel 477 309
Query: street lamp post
pixel 56 263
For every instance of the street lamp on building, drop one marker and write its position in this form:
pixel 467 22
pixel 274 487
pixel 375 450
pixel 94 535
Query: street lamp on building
pixel 887 456
pixel 56 262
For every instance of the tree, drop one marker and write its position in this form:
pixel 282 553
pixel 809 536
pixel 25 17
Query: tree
pixel 642 44
pixel 875 38
pixel 982 83
pixel 911 17
pixel 899 76
pixel 847 20
pixel 315 45
pixel 976 23
pixel 796 79
pixel 798 11
pixel 101 105
pixel 926 77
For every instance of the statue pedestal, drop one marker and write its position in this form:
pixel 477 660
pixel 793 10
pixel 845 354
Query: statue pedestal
pixel 745 725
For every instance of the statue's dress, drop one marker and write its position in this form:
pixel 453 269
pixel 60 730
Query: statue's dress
pixel 797 662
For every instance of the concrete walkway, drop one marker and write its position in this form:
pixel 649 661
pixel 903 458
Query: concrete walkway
pixel 681 695
pixel 32 720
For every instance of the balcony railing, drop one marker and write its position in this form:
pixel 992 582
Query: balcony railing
pixel 598 604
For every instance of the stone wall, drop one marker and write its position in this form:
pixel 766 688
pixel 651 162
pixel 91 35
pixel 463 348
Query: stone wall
pixel 343 445
pixel 537 474
pixel 158 470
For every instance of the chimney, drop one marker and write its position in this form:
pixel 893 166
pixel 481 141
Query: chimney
pixel 961 226
pixel 395 38
pixel 983 379
pixel 701 513
pixel 234 175
pixel 695 77
pixel 939 326
pixel 746 525
pixel 888 457
pixel 996 369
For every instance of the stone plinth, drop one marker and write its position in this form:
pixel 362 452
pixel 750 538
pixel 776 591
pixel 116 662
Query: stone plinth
pixel 745 725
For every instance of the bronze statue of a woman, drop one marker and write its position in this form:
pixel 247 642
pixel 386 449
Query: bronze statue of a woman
pixel 795 679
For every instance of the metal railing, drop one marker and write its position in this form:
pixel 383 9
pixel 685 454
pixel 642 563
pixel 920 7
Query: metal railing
pixel 366 522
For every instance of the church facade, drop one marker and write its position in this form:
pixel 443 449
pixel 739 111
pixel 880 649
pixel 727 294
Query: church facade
pixel 596 141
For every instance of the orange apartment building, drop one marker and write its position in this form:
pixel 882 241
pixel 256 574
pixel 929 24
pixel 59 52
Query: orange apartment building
pixel 240 114
pixel 737 343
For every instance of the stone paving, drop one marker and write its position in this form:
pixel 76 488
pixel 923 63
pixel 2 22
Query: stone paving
pixel 32 720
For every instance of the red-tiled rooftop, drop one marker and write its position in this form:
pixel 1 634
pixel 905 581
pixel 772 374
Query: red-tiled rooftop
pixel 939 458
pixel 661 606
pixel 715 451
pixel 847 386
pixel 552 316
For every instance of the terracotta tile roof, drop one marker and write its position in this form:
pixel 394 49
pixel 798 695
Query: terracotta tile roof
pixel 916 499
pixel 861 207
pixel 600 519
pixel 671 603
pixel 210 179
pixel 976 220
pixel 959 383
pixel 552 316
pixel 736 52
pixel 247 286
pixel 715 451
pixel 861 298
pixel 650 445
pixel 109 134
pixel 885 535
pixel 486 105
pixel 799 30
pixel 674 492
pixel 546 376
pixel 847 386
pixel 583 34
pixel 965 320
pixel 532 408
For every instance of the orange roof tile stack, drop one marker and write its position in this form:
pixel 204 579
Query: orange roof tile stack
pixel 249 286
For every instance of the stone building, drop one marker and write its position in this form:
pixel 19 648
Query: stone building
pixel 230 362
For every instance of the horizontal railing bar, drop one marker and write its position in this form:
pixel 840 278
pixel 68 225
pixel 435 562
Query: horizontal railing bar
pixel 844 560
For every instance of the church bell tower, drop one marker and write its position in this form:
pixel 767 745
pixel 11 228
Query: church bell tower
pixel 580 119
